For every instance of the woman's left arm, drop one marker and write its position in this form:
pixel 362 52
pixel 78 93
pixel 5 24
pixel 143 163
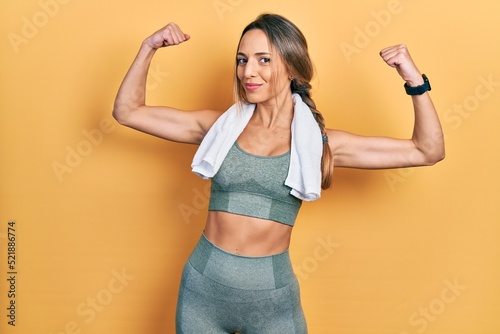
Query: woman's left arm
pixel 424 148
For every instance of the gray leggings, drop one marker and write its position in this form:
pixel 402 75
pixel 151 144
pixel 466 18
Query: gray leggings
pixel 224 293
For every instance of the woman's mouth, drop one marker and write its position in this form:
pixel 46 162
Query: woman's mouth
pixel 252 86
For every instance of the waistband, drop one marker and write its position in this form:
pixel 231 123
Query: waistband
pixel 241 272
pixel 254 205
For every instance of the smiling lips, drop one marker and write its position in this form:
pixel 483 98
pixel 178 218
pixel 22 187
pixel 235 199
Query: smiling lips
pixel 252 86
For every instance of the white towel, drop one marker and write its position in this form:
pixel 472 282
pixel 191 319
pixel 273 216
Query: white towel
pixel 304 173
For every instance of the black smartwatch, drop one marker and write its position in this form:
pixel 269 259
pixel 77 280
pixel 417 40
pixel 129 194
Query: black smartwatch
pixel 419 90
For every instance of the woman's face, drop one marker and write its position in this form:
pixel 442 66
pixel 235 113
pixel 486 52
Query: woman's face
pixel 260 69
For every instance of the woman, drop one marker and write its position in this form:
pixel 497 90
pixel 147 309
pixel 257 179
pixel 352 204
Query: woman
pixel 239 278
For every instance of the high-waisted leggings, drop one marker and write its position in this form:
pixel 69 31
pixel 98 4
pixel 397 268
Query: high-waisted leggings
pixel 224 293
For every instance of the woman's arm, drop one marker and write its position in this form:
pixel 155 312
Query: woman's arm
pixel 165 122
pixel 426 145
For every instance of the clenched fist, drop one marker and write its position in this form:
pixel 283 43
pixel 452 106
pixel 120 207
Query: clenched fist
pixel 169 35
pixel 398 56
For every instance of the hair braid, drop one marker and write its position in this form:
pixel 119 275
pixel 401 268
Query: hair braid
pixel 326 160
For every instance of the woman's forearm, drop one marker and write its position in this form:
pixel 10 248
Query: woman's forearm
pixel 427 137
pixel 132 91
pixel 427 132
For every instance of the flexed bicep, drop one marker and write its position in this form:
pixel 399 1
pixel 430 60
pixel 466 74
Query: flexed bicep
pixel 130 107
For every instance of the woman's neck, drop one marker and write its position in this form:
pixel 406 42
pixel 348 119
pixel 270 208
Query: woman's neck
pixel 276 112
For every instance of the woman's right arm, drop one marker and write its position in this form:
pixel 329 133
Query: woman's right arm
pixel 130 108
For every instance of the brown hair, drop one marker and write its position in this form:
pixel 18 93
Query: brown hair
pixel 291 45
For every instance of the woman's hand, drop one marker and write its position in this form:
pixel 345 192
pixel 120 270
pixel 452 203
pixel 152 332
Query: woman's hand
pixel 169 35
pixel 398 56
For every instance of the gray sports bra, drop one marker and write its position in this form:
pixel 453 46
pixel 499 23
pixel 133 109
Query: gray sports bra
pixel 253 185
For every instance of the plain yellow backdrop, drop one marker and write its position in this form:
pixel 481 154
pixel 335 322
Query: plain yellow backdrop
pixel 106 216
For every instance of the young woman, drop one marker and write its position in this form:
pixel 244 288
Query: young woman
pixel 265 155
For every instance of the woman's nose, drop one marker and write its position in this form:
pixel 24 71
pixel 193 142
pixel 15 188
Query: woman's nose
pixel 250 69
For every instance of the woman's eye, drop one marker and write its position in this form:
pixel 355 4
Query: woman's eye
pixel 265 60
pixel 241 61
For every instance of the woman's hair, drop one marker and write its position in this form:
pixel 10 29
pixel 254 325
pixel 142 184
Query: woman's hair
pixel 291 45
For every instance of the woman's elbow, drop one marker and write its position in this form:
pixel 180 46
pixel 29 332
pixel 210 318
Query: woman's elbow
pixel 435 157
pixel 431 151
pixel 120 113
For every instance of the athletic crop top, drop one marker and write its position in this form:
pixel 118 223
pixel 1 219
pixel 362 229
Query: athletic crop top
pixel 254 186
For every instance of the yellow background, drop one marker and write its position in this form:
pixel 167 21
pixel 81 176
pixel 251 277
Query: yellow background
pixel 106 216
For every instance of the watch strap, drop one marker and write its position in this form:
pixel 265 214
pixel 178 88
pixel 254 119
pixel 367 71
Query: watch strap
pixel 418 90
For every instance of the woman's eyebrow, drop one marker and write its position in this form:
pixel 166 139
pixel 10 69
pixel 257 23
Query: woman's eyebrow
pixel 257 53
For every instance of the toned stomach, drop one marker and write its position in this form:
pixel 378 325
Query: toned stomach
pixel 247 236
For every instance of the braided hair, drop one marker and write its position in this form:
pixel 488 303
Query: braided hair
pixel 291 44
